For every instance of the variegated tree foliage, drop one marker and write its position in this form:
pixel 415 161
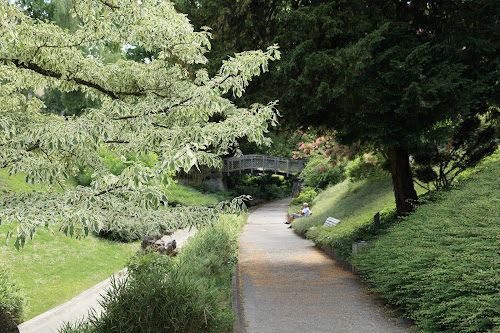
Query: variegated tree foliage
pixel 163 106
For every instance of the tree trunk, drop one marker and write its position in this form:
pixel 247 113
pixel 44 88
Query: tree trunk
pixel 404 192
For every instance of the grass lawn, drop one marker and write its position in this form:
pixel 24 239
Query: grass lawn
pixel 54 268
pixel 187 196
pixel 354 204
pixel 16 183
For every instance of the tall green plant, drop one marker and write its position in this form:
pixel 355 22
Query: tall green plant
pixel 319 172
pixel 190 293
pixel 12 300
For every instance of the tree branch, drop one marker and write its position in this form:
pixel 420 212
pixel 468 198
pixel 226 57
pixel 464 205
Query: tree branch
pixel 116 141
pixel 422 186
pixel 154 112
pixel 49 73
pixel 50 160
pixel 161 126
pixel 33 147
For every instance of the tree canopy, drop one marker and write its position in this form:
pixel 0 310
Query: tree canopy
pixel 401 76
pixel 165 107
pixel 393 74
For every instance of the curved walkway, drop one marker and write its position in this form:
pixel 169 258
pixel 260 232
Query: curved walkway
pixel 288 285
pixel 78 307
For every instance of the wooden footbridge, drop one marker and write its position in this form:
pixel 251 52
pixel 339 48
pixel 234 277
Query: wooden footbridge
pixel 258 164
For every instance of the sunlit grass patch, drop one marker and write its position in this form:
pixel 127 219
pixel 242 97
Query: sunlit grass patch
pixel 53 268
pixel 17 183
pixel 187 196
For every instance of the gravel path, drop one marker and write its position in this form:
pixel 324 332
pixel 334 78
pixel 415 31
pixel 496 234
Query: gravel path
pixel 288 285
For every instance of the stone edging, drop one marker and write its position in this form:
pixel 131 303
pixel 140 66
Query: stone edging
pixel 239 325
pixel 338 258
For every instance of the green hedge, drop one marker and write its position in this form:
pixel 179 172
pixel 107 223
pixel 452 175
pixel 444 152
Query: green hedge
pixel 441 265
pixel 190 293
pixel 12 301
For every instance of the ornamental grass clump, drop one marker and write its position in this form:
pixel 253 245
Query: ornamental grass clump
pixel 12 301
pixel 188 293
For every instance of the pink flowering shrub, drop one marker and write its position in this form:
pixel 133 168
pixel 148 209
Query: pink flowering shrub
pixel 367 166
pixel 323 145
pixel 327 159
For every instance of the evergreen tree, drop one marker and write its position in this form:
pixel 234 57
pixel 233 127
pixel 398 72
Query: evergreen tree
pixel 390 73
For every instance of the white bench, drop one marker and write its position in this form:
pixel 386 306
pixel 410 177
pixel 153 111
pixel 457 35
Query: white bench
pixel 331 221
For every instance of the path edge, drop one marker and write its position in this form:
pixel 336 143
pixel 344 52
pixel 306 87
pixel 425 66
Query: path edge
pixel 237 303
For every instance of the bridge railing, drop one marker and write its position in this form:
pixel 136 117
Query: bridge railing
pixel 263 163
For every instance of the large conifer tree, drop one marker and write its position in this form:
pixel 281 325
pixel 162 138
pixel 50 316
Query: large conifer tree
pixel 390 73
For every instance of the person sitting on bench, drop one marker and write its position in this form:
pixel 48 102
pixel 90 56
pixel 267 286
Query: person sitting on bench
pixel 304 212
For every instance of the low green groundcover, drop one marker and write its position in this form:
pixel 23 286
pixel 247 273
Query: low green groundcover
pixel 441 265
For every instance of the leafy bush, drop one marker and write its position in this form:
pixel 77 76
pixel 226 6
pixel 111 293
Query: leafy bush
pixel 306 195
pixel 190 293
pixel 367 166
pixel 12 301
pixel 440 265
pixel 319 172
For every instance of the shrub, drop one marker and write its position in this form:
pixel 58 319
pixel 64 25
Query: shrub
pixel 189 293
pixel 367 166
pixel 306 195
pixel 319 173
pixel 12 301
pixel 152 301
